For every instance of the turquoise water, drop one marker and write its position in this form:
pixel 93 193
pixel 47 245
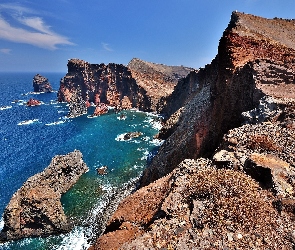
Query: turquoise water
pixel 31 136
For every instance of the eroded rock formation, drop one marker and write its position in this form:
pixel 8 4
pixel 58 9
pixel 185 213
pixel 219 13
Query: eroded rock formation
pixel 41 84
pixel 35 209
pixel 158 80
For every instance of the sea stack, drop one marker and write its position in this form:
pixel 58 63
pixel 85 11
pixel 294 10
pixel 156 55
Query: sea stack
pixel 35 209
pixel 41 84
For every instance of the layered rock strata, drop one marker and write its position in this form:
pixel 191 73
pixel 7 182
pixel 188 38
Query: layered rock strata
pixel 158 80
pixel 255 60
pixel 238 111
pixel 120 86
pixel 35 209
pixel 41 84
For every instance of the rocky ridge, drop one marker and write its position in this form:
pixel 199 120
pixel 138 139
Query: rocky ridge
pixel 239 112
pixel 119 86
pixel 158 80
pixel 35 209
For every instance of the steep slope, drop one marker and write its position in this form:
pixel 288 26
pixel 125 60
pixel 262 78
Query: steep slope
pixel 158 80
pixel 250 64
pixel 238 111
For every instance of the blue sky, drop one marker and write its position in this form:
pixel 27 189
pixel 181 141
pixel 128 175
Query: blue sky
pixel 41 35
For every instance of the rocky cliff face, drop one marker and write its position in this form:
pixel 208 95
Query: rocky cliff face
pixel 110 84
pixel 239 112
pixel 140 85
pixel 41 84
pixel 35 209
pixel 158 80
pixel 253 61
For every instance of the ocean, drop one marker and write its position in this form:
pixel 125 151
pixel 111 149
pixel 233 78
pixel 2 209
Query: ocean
pixel 31 136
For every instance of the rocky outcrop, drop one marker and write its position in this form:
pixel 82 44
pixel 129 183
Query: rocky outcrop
pixel 253 61
pixel 237 111
pixel 198 206
pixel 77 105
pixel 33 102
pixel 100 109
pixel 35 209
pixel 140 85
pixel 41 84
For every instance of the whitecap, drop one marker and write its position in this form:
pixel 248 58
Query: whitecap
pixel 155 123
pixel 76 239
pixel 5 107
pixel 92 116
pixel 156 142
pixel 27 122
pixel 1 223
pixel 145 155
pixel 55 123
pixel 120 137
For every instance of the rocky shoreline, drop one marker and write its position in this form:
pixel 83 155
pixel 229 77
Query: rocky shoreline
pixel 225 176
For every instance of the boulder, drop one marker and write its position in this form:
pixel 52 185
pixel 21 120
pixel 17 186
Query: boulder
pixel 131 135
pixel 35 209
pixel 33 102
pixel 100 109
pixel 41 84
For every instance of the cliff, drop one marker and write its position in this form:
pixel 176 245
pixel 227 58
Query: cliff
pixel 158 80
pixel 238 112
pixel 253 61
pixel 35 209
pixel 117 85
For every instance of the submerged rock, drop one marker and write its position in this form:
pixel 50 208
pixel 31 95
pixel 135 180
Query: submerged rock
pixel 35 209
pixel 41 84
pixel 102 170
pixel 131 135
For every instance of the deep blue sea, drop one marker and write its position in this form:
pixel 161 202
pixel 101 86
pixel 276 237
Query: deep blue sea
pixel 31 136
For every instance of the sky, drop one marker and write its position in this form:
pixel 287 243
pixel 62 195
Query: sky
pixel 41 35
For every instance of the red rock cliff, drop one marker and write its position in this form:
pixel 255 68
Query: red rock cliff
pixel 256 57
pixel 141 84
pixel 238 111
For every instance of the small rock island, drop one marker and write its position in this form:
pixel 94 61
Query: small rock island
pixel 41 84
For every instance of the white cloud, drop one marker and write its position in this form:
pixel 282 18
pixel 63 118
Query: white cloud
pixel 34 31
pixel 106 47
pixel 5 51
